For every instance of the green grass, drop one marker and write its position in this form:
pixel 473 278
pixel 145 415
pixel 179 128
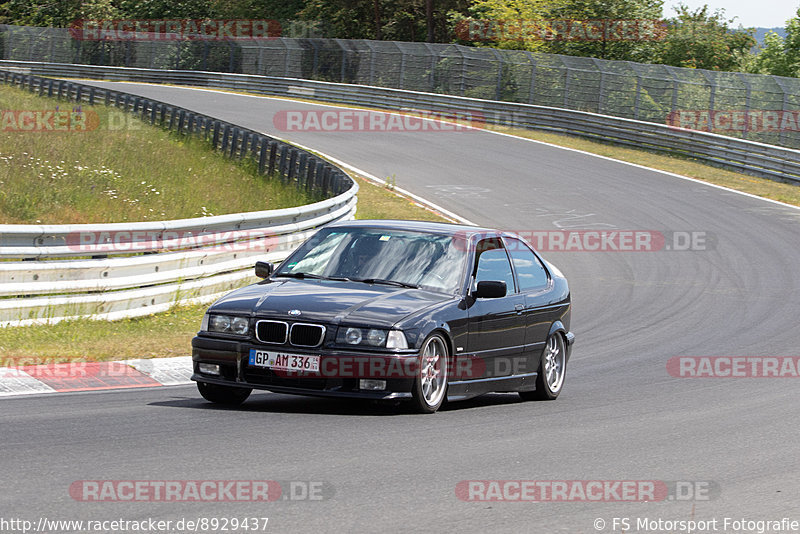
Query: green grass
pixel 161 335
pixel 122 170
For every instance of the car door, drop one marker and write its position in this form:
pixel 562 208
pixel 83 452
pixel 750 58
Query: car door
pixel 534 286
pixel 496 326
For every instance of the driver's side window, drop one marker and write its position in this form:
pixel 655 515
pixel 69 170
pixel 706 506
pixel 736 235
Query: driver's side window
pixel 492 263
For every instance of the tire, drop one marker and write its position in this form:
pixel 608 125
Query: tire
pixel 230 396
pixel 430 386
pixel 552 370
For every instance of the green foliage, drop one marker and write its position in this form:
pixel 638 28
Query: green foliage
pixel 780 56
pixel 40 12
pixel 639 49
pixel 502 12
pixel 700 39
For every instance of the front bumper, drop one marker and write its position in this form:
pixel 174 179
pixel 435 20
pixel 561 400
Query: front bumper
pixel 339 375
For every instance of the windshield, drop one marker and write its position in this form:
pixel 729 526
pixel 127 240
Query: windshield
pixel 397 257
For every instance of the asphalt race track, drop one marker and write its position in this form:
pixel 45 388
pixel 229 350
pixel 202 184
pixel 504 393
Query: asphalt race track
pixel 621 415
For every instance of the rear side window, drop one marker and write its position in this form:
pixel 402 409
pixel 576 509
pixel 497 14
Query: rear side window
pixel 531 274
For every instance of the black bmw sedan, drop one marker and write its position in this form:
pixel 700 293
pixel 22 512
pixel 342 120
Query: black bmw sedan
pixel 392 310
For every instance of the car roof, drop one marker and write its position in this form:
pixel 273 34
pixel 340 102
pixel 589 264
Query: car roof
pixel 419 226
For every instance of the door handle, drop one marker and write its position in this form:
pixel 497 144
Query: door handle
pixel 519 308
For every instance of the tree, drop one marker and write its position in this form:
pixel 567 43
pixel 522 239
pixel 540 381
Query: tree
pixel 396 20
pixel 633 28
pixel 504 23
pixel 780 56
pixel 702 40
pixel 58 13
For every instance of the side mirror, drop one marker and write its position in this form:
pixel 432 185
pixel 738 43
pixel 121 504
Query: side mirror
pixel 490 289
pixel 264 269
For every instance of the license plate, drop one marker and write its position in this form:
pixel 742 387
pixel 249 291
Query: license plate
pixel 283 362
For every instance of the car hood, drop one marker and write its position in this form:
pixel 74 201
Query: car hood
pixel 328 301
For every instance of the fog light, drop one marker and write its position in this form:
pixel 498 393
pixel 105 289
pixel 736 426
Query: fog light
pixel 208 368
pixel 374 385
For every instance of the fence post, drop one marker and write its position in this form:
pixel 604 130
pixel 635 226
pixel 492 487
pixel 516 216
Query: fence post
pixel 784 109
pixel 747 95
pixel 532 90
pixel 402 66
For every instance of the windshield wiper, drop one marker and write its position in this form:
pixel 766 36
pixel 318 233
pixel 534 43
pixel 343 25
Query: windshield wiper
pixel 312 276
pixel 385 282
pixel 300 275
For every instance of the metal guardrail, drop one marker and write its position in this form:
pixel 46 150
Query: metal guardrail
pixel 758 159
pixel 109 271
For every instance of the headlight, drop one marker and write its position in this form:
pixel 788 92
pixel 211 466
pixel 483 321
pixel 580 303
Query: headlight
pixel 227 324
pixel 396 340
pixel 371 337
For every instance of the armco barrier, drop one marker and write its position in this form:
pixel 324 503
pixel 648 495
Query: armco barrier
pixel 758 159
pixel 107 271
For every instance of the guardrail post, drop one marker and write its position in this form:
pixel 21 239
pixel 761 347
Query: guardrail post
pixel 292 171
pixel 273 155
pixel 302 169
pixel 234 141
pixel 215 137
pixel 226 134
pixel 246 138
pixel 256 142
pixel 262 158
pixel 91 96
pixel 282 164
pixel 181 116
pixel 319 171
pixel 326 180
pixel 311 170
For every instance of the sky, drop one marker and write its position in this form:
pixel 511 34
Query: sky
pixel 750 13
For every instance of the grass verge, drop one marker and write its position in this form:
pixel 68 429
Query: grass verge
pixel 109 166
